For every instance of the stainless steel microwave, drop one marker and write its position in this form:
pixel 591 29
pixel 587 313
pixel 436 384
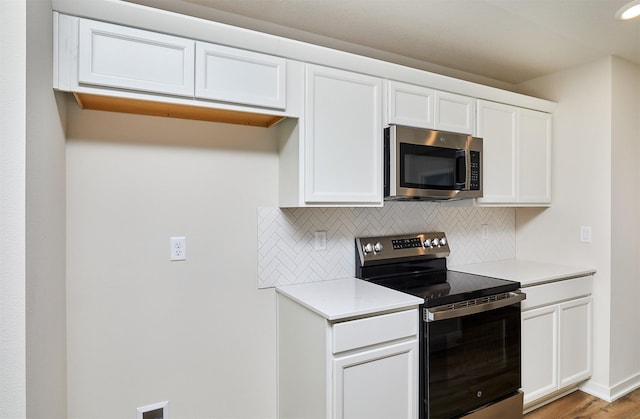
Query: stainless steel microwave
pixel 423 164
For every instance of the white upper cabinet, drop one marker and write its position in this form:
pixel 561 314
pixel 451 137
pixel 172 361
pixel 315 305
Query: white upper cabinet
pixel 423 107
pixel 534 157
pixel 516 155
pixel 454 113
pixel 342 138
pixel 127 58
pixel 238 76
pixel 410 105
pixel 498 126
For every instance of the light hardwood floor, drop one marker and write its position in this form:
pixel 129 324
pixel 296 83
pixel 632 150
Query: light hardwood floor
pixel 581 405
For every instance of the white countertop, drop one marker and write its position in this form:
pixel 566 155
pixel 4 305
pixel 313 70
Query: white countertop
pixel 339 299
pixel 527 272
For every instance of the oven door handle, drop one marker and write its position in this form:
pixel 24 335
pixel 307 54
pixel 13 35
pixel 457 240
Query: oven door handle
pixel 459 310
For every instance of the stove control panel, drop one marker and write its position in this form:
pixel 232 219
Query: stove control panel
pixel 383 249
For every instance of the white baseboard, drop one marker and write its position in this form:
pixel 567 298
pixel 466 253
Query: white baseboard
pixel 614 392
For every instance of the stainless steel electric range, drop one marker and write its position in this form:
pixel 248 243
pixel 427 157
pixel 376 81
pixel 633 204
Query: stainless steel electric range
pixel 470 327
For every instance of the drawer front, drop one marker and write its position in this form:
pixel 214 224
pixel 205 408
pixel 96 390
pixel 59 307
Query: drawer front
pixel 134 59
pixel 373 330
pixel 554 292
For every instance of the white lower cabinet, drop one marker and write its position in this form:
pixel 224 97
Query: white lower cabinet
pixel 556 338
pixel 539 352
pixel 375 383
pixel 354 369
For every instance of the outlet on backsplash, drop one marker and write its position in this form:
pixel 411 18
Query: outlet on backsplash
pixel 485 231
pixel 321 240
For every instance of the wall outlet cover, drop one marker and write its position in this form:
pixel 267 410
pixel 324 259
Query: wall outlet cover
pixel 178 248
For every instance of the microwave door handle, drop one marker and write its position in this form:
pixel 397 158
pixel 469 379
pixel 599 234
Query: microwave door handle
pixel 462 169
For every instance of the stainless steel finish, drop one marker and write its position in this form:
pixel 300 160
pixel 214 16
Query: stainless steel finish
pixel 376 250
pixel 421 136
pixel 509 408
pixel 478 305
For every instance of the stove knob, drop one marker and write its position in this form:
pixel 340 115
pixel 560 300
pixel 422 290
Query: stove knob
pixel 378 247
pixel 436 242
pixel 367 248
pixel 443 241
pixel 427 243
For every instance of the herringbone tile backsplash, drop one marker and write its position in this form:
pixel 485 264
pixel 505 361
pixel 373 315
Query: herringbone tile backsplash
pixel 286 242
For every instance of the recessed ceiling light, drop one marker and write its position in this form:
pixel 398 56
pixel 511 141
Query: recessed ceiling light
pixel 629 11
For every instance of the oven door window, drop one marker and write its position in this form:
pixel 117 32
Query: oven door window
pixel 428 167
pixel 471 361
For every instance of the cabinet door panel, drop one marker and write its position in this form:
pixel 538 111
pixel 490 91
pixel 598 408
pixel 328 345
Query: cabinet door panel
pixel 410 105
pixel 454 113
pixel 343 138
pixel 127 58
pixel 377 384
pixel 539 352
pixel 239 76
pixel 575 341
pixel 534 159
pixel 497 125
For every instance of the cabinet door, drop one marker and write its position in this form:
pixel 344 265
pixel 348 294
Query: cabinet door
pixel 534 157
pixel 410 105
pixel 377 383
pixel 454 113
pixel 539 352
pixel 238 76
pixel 575 341
pixel 343 138
pixel 127 58
pixel 498 126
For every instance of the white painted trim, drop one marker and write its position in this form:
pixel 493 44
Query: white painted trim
pixel 614 392
pixel 595 389
pixel 625 387
pixel 150 407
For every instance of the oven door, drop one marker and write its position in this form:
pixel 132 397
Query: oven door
pixel 472 360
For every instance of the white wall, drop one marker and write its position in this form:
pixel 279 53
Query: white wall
pixel 12 209
pixel 595 184
pixel 45 215
pixel 625 226
pixel 32 287
pixel 142 329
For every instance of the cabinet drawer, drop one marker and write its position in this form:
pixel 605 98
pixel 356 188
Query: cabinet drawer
pixel 133 59
pixel 372 330
pixel 544 294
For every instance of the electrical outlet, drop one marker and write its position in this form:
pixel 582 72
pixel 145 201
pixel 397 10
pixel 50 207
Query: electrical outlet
pixel 178 248
pixel 585 234
pixel 485 231
pixel 321 240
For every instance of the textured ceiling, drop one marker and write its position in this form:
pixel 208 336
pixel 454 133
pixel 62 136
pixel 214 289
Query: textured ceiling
pixel 510 41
